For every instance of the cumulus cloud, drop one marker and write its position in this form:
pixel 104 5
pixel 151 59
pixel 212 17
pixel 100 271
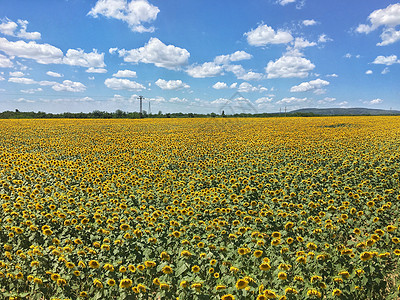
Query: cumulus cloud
pixel 332 75
pixel 309 22
pixel 264 34
pixel 171 84
pixel 157 53
pixel 376 101
pixel 388 18
pixel 77 57
pixel 5 62
pixel 48 54
pixel 41 53
pixel 291 100
pixel 54 74
pixel 220 85
pixel 221 101
pixel 134 13
pixel 246 87
pixel 251 76
pixel 8 27
pixel 323 38
pixel 22 80
pixel 309 86
pixel 96 70
pixel 32 91
pixel 177 100
pixel 69 86
pixel 125 73
pixel 300 43
pixel 368 72
pixel 123 84
pixel 264 100
pixel 16 74
pixel 236 56
pixel 207 69
pixel 326 100
pixel 289 66
pixel 386 60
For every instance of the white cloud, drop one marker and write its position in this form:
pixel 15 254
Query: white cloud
pixel 48 54
pixel 220 85
pixel 347 55
pixel 251 76
pixel 309 22
pixel 96 70
pixel 376 101
pixel 326 100
pixel 69 86
pixel 54 74
pixel 285 2
pixel 233 85
pixel 77 57
pixel 171 84
pixel 5 62
pixel 32 91
pixel 41 53
pixel 264 35
pixel 385 71
pixel 291 100
pixel 323 38
pixel 22 80
pixel 8 27
pixel 177 99
pixel 368 72
pixel 386 60
pixel 135 12
pixel 332 75
pixel 289 66
pixel 389 36
pixel 125 73
pixel 16 74
pixel 1 79
pixel 207 69
pixel 264 100
pixel 236 56
pixel 389 18
pixel 310 85
pixel 157 53
pixel 123 84
pixel 221 101
pixel 246 87
pixel 158 99
pixel 300 43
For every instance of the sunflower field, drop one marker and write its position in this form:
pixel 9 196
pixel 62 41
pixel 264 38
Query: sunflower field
pixel 278 208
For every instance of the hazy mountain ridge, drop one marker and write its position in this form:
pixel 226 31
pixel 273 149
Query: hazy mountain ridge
pixel 346 111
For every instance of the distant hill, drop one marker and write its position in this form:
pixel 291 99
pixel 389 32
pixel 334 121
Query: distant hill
pixel 358 111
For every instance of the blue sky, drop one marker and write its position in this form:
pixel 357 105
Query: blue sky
pixel 198 56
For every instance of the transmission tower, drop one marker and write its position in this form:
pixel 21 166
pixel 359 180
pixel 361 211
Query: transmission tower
pixel 141 110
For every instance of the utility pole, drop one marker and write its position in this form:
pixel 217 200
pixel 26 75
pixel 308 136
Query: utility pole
pixel 149 108
pixel 285 111
pixel 141 111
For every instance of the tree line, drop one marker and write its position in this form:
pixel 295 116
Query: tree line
pixel 119 114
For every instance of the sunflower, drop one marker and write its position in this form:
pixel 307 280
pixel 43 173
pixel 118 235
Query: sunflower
pixel 94 264
pixel 195 269
pixel 265 266
pixel 167 270
pixel 125 283
pixel 228 297
pixel 336 292
pixel 241 284
pixel 366 256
